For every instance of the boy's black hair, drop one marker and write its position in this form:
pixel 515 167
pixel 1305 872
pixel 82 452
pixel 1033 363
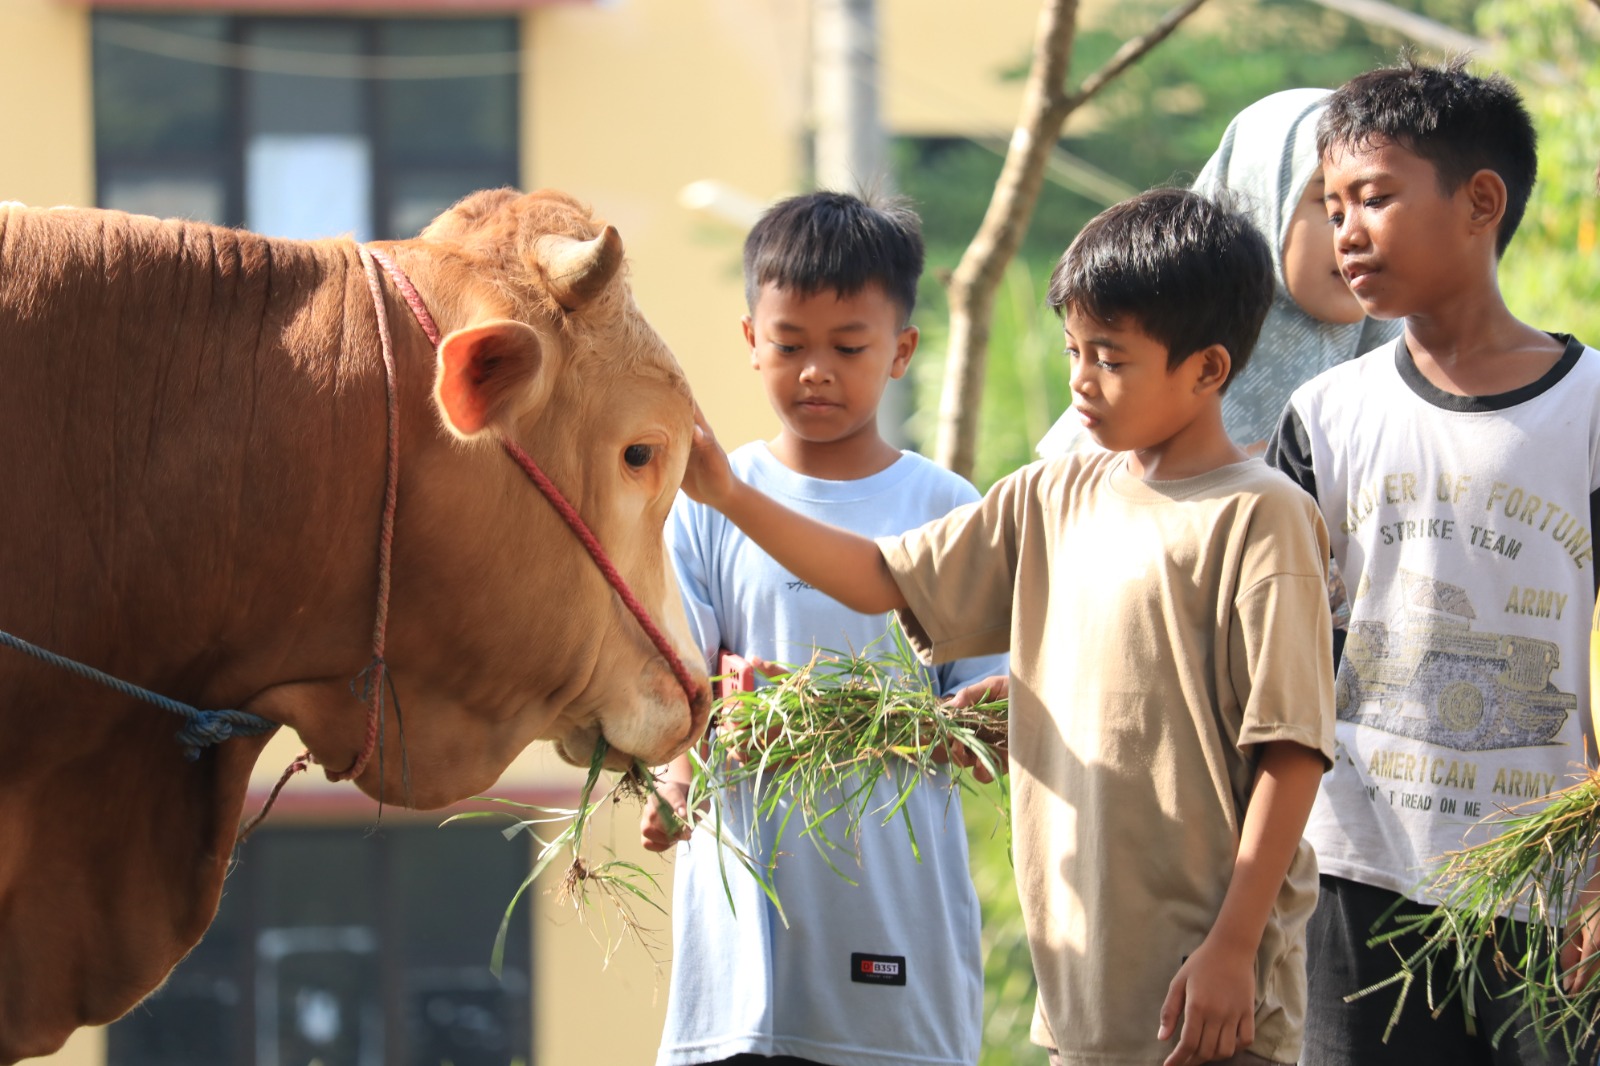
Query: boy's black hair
pixel 1188 271
pixel 1456 120
pixel 835 241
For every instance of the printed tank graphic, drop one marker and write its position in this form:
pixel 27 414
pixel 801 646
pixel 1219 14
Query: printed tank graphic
pixel 1428 676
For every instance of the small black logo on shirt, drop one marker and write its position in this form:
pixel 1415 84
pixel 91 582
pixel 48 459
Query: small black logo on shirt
pixel 796 585
pixel 877 969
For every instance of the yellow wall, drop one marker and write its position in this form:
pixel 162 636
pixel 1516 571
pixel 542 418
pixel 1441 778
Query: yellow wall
pixel 45 124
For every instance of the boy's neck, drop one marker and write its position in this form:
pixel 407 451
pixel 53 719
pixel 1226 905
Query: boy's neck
pixel 1198 448
pixel 1478 347
pixel 851 459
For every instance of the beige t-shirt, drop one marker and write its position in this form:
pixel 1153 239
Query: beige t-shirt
pixel 1157 631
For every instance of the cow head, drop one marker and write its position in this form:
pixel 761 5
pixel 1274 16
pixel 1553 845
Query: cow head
pixel 504 630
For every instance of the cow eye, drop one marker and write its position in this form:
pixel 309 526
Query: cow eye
pixel 638 455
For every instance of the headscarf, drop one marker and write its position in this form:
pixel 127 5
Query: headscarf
pixel 1267 157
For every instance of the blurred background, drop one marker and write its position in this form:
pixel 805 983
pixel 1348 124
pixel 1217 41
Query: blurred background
pixel 346 940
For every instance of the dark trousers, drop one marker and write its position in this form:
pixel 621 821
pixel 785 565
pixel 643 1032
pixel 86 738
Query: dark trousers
pixel 1339 962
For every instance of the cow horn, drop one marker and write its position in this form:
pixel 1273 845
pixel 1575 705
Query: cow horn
pixel 577 271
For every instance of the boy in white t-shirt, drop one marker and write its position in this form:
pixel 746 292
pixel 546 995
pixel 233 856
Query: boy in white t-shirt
pixel 887 970
pixel 1457 468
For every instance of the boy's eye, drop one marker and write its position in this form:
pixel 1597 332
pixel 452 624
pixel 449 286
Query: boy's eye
pixel 1106 365
pixel 857 350
pixel 1070 353
pixel 638 455
pixel 1373 201
pixel 786 349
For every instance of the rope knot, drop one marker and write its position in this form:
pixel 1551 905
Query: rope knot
pixel 202 729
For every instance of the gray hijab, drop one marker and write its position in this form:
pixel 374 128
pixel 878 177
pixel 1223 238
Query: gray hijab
pixel 1267 157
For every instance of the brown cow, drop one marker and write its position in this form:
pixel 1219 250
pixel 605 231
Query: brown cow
pixel 192 462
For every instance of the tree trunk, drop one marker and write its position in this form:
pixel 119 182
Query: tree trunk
pixel 1045 107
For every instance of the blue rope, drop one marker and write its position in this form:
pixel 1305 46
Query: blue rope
pixel 201 729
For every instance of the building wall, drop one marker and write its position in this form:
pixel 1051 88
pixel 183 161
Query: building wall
pixel 46 124
pixel 627 104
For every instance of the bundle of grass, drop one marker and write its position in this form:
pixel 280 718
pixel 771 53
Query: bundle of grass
pixel 813 746
pixel 1538 868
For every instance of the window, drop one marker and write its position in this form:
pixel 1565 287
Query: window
pixel 308 127
pixel 346 947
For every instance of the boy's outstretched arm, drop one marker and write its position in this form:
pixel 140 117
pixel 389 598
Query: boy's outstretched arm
pixel 1211 1002
pixel 845 565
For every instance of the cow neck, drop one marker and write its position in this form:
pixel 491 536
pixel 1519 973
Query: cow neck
pixel 542 482
pixel 372 678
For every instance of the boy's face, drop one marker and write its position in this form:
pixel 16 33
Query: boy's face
pixel 825 359
pixel 1402 244
pixel 1122 390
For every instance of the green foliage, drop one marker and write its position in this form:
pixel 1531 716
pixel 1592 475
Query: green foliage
pixel 1009 988
pixel 1155 125
pixel 1027 384
pixel 1551 272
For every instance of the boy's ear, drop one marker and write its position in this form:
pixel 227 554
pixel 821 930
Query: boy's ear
pixel 1486 194
pixel 905 346
pixel 749 327
pixel 1212 365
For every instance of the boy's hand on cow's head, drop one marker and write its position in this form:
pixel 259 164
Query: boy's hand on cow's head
pixel 708 478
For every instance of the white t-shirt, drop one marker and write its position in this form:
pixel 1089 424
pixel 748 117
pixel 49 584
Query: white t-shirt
pixel 742 983
pixel 1465 530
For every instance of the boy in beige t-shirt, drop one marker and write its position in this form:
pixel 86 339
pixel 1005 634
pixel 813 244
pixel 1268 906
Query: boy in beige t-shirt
pixel 1171 692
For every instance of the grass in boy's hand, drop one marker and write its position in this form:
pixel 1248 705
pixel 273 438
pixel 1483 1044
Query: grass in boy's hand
pixel 814 745
pixel 1538 862
pixel 817 742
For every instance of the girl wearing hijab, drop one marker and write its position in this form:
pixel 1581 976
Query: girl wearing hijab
pixel 1267 167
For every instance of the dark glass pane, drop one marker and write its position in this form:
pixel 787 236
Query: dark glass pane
pixel 346 946
pixel 161 83
pixel 419 196
pixel 451 120
pixel 200 1015
pixel 306 80
pixel 450 887
pixel 314 877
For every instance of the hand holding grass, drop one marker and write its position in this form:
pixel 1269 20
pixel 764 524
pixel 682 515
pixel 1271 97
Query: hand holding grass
pixel 989 690
pixel 1580 948
pixel 665 820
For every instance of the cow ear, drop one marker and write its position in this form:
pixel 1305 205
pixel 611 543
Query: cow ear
pixel 488 374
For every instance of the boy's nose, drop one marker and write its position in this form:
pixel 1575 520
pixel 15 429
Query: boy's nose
pixel 1349 234
pixel 814 371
